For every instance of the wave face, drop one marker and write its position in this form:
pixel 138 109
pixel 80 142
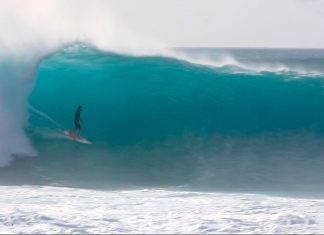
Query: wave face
pixel 163 121
pixel 132 99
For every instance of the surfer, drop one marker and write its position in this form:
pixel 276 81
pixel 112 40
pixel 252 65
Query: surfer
pixel 77 121
pixel 75 133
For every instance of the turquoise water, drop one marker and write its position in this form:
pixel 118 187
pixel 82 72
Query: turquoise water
pixel 163 121
pixel 128 100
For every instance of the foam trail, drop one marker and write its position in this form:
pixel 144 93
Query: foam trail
pixel 45 116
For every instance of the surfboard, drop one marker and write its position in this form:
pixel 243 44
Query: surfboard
pixel 73 137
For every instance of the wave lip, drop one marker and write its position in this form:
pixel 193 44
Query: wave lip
pixel 297 62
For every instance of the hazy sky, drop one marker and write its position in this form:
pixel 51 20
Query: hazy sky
pixel 225 23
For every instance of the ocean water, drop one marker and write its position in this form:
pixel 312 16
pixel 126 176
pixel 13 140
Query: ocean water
pixel 232 138
pixel 157 121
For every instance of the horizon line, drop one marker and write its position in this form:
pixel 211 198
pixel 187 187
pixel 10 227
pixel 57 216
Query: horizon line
pixel 230 47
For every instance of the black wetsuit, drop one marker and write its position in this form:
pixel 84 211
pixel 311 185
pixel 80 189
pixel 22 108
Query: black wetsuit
pixel 77 119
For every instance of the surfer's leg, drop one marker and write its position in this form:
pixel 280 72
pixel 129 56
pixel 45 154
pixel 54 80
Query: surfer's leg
pixel 78 130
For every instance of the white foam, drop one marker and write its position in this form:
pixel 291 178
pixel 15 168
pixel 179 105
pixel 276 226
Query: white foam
pixel 65 210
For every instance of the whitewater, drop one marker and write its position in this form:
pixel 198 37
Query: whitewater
pixel 185 140
pixel 67 210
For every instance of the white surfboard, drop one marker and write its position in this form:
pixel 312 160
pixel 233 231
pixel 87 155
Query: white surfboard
pixel 76 138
